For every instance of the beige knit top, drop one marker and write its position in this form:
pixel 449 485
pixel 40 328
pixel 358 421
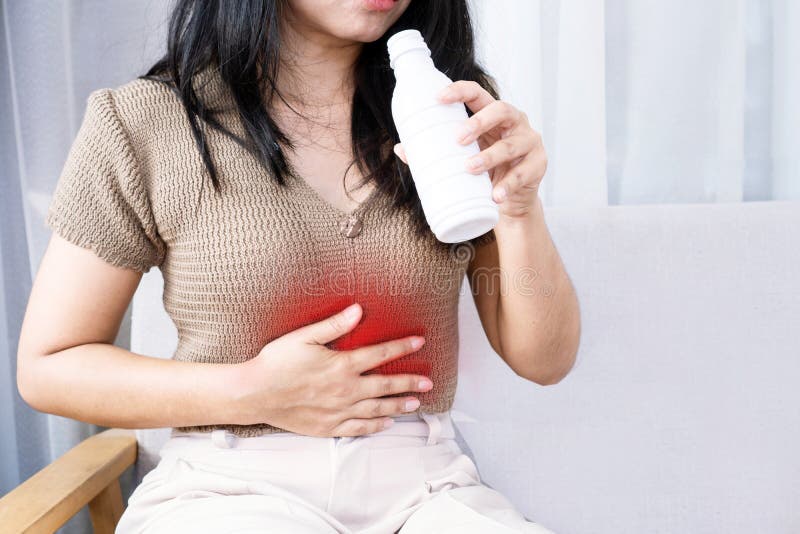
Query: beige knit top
pixel 245 267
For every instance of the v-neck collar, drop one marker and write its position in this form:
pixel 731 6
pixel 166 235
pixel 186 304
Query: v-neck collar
pixel 358 211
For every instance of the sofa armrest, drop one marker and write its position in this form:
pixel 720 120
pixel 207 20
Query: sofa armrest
pixel 86 474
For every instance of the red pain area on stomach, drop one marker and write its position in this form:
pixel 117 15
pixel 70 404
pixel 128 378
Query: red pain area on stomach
pixel 383 318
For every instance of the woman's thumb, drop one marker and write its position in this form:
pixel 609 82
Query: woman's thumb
pixel 333 327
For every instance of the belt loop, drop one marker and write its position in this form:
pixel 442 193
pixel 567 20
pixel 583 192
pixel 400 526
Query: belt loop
pixel 222 438
pixel 434 427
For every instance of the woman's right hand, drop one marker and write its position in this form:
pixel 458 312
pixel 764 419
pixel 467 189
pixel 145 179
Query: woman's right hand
pixel 298 384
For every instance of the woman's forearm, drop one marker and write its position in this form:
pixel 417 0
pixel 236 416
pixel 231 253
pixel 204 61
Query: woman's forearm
pixel 538 319
pixel 109 386
pixel 534 322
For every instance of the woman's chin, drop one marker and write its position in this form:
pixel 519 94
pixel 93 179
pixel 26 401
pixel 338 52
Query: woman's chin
pixel 365 29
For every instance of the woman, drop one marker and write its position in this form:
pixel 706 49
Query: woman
pixel 316 363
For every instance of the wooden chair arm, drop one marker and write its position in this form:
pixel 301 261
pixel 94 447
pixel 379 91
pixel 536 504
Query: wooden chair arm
pixel 86 474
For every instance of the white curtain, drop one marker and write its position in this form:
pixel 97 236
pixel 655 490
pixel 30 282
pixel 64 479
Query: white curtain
pixel 52 54
pixel 639 101
pixel 643 101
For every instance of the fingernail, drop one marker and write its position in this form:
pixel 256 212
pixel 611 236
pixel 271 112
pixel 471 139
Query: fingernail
pixel 500 194
pixel 464 131
pixel 351 311
pixel 417 342
pixel 445 93
pixel 475 163
pixel 425 384
pixel 411 405
pixel 388 423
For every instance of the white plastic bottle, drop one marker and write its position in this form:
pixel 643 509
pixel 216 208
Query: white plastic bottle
pixel 457 204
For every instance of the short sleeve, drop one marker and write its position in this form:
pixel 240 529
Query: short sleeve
pixel 100 201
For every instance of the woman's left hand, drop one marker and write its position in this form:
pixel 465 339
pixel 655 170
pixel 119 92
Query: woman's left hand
pixel 511 151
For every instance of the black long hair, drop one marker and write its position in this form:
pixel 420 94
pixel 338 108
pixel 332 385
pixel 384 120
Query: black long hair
pixel 242 39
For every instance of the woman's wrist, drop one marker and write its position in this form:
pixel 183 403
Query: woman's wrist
pixel 524 223
pixel 235 394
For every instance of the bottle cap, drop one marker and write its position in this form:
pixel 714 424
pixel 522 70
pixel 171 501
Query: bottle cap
pixel 405 41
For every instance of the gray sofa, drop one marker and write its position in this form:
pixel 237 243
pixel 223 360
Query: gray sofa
pixel 682 412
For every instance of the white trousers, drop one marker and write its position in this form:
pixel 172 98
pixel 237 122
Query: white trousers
pixel 410 478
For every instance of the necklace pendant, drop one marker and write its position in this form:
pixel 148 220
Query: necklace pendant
pixel 351 226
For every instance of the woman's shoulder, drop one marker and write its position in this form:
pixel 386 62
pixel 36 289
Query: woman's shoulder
pixel 144 91
pixel 143 122
pixel 147 106
pixel 139 103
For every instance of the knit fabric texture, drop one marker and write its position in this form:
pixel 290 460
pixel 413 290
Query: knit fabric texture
pixel 259 260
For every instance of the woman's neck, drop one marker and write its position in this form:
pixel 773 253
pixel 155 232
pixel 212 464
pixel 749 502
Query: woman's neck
pixel 316 69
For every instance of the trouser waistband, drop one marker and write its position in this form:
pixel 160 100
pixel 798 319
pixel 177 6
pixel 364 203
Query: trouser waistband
pixel 434 426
